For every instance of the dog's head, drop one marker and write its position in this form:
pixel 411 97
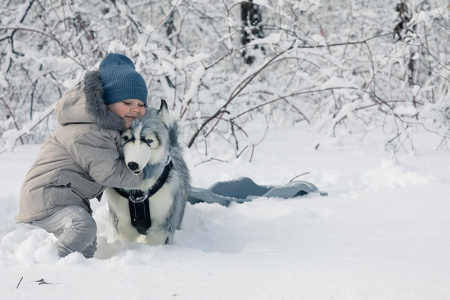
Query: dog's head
pixel 147 141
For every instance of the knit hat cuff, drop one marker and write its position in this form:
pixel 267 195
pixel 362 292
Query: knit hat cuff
pixel 124 93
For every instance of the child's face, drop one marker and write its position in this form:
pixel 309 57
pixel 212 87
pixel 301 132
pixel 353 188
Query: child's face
pixel 128 110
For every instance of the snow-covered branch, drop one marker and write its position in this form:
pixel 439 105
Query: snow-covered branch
pixel 11 136
pixel 227 65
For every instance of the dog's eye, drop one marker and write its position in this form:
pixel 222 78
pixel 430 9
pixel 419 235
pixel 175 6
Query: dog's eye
pixel 126 138
pixel 149 141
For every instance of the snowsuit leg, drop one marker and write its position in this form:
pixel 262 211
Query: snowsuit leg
pixel 75 229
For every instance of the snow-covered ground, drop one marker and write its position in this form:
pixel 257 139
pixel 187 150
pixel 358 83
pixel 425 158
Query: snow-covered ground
pixel 383 232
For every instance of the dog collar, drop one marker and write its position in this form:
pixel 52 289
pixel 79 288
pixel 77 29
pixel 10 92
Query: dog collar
pixel 162 179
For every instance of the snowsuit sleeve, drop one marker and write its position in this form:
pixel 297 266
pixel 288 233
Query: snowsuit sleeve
pixel 96 152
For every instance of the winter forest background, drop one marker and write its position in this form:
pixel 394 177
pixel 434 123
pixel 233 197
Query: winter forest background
pixel 342 68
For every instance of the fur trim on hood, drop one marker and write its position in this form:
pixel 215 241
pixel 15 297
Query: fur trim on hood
pixel 84 104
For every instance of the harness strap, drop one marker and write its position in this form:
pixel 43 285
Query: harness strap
pixel 140 216
pixel 161 180
pixel 140 210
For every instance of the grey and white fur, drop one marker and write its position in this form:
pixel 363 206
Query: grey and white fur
pixel 153 140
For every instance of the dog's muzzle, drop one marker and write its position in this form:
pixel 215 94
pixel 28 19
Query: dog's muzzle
pixel 134 167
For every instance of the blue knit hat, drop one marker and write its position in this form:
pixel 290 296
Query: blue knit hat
pixel 120 80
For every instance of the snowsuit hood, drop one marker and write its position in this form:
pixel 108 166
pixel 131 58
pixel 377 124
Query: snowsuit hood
pixel 84 104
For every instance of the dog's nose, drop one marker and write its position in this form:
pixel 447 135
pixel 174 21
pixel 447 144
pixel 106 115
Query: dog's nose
pixel 133 166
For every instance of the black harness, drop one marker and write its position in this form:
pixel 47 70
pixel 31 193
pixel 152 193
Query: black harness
pixel 138 201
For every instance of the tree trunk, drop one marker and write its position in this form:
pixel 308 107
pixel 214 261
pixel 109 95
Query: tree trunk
pixel 251 17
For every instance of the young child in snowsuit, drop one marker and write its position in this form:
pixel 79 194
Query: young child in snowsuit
pixel 80 159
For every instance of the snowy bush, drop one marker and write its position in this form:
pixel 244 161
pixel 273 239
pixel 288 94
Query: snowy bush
pixel 344 67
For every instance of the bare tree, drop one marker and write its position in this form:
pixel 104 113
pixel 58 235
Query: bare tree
pixel 336 67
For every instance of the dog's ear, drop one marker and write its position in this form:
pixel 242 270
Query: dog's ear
pixel 164 112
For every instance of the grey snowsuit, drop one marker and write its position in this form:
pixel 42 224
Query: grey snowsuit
pixel 75 164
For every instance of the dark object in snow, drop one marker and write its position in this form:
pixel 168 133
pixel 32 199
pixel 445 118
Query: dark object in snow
pixel 19 283
pixel 244 190
pixel 42 281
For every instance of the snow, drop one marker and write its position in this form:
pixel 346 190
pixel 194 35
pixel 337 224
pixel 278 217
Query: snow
pixel 382 233
pixel 271 39
pixel 195 82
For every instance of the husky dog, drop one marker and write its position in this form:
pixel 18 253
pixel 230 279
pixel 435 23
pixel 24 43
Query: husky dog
pixel 153 211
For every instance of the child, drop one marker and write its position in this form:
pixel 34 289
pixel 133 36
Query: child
pixel 80 159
